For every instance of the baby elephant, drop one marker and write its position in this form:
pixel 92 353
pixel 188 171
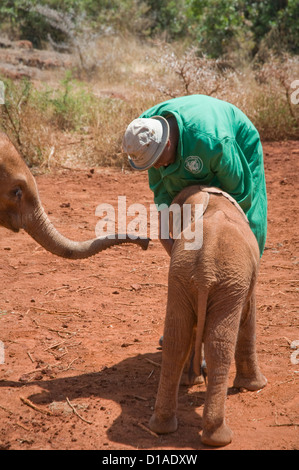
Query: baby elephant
pixel 210 290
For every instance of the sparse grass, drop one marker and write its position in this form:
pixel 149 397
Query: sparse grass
pixel 263 93
pixel 82 121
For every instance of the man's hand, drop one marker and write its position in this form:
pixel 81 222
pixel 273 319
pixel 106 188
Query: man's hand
pixel 167 243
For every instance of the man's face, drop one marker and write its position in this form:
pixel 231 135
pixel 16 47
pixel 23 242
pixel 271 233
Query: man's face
pixel 167 157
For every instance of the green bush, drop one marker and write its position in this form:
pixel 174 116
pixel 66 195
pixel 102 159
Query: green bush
pixel 20 19
pixel 217 26
pixel 70 107
pixel 40 119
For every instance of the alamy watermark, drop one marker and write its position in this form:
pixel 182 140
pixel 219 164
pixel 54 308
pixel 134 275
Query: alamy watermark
pixel 2 93
pixel 295 94
pixel 2 353
pixel 136 221
pixel 295 354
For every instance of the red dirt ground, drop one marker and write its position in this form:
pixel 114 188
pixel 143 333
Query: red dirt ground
pixel 86 333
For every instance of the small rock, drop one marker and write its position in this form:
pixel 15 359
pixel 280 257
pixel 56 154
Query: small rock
pixel 135 287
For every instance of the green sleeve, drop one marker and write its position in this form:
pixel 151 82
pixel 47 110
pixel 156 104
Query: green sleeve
pixel 161 195
pixel 232 172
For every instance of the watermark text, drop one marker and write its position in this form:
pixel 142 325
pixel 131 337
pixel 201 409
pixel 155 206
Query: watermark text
pixel 295 354
pixel 295 94
pixel 138 222
pixel 2 93
pixel 2 353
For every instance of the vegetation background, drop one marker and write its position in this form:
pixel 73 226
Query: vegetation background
pixel 126 55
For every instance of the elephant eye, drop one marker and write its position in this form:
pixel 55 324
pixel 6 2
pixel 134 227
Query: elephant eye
pixel 17 193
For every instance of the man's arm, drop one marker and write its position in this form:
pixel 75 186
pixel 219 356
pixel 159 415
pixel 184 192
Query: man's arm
pixel 167 243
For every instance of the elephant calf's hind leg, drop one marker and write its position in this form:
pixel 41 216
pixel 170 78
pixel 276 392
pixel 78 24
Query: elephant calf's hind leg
pixel 177 338
pixel 219 343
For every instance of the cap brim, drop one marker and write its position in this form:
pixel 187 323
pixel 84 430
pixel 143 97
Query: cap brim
pixel 160 150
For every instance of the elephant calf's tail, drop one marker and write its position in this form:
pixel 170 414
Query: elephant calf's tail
pixel 201 318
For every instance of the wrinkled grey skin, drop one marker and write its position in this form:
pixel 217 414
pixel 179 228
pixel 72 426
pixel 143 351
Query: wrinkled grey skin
pixel 211 292
pixel 21 208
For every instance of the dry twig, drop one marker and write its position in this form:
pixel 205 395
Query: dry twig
pixel 76 412
pixel 152 362
pixel 147 430
pixel 34 407
pixel 283 424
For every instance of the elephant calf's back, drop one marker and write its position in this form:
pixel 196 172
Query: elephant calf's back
pixel 229 254
pixel 230 251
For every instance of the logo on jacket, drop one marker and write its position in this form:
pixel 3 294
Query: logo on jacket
pixel 193 164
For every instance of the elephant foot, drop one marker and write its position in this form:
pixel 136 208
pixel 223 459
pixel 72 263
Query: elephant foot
pixel 193 380
pixel 251 383
pixel 163 426
pixel 222 436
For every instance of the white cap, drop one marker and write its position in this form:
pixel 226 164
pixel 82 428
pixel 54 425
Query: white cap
pixel 144 141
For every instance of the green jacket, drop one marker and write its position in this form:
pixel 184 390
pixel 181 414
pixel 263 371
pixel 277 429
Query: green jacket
pixel 218 146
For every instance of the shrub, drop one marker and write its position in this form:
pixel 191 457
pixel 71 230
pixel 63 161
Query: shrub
pixel 263 92
pixel 217 27
pixel 70 121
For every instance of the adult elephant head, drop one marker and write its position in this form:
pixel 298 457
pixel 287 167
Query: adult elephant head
pixel 21 208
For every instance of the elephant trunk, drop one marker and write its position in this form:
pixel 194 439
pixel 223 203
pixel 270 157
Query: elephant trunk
pixel 39 227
